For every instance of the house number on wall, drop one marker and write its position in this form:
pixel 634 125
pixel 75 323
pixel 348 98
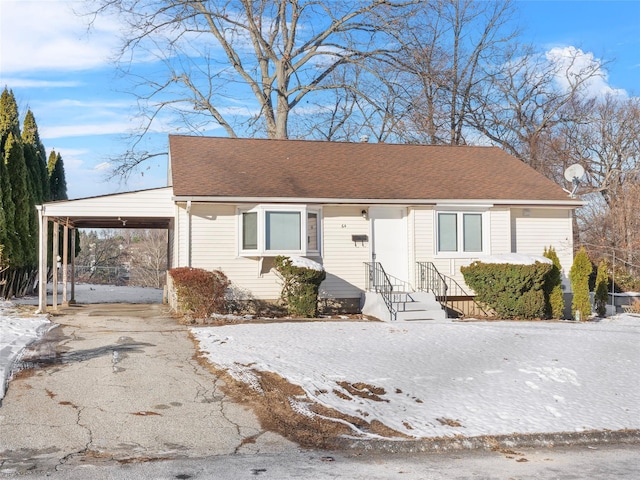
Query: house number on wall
pixel 344 225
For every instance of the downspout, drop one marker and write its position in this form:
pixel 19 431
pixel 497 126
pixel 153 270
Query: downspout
pixel 188 233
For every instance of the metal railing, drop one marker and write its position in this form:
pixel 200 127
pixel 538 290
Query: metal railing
pixel 378 281
pixel 429 279
pixel 451 295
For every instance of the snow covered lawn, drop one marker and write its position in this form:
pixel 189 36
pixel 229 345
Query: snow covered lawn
pixel 17 330
pixel 435 379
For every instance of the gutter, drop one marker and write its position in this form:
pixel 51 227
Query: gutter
pixel 569 203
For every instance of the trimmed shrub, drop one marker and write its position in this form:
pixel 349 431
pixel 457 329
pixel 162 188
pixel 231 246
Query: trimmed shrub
pixel 300 287
pixel 512 291
pixel 601 296
pixel 200 292
pixel 554 298
pixel 579 276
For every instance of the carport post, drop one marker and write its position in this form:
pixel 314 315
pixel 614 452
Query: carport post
pixel 43 223
pixel 65 256
pixel 72 300
pixel 54 263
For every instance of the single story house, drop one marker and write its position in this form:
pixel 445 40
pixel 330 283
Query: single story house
pixel 386 219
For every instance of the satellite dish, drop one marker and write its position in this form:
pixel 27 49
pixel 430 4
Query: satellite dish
pixel 574 172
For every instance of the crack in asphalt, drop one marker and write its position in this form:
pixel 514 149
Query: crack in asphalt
pixel 207 394
pixel 84 450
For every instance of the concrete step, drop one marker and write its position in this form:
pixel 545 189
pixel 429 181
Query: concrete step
pixel 414 315
pixel 426 308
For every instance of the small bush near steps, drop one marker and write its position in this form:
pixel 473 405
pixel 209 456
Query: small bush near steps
pixel 300 285
pixel 200 292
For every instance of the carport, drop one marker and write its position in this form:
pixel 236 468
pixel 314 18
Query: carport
pixel 144 209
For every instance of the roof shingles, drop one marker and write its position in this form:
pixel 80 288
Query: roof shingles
pixel 301 169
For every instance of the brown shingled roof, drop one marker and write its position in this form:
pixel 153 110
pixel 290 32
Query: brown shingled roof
pixel 233 167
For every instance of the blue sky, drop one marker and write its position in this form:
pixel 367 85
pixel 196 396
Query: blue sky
pixel 64 74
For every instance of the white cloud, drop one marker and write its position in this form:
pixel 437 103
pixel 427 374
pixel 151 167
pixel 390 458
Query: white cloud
pixel 573 60
pixel 82 130
pixel 15 82
pixel 102 166
pixel 48 35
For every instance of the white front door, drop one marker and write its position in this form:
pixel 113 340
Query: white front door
pixel 389 233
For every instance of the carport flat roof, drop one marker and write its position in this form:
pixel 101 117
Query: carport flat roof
pixel 152 208
pixel 114 222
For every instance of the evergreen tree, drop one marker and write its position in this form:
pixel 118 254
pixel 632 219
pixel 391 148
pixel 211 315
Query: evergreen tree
pixel 36 158
pixel 3 220
pixel 553 286
pixel 579 276
pixel 22 255
pixel 37 179
pixel 9 125
pixel 57 180
pixel 602 289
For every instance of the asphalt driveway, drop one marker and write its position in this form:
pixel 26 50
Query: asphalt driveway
pixel 120 382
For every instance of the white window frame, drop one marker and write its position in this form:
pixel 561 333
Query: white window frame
pixel 261 211
pixel 459 252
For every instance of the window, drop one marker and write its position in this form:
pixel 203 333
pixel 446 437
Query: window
pixel 273 230
pixel 460 232
pixel 249 230
pixel 282 230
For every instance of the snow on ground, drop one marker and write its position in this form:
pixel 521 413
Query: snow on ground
pixel 487 377
pixel 89 293
pixel 449 378
pixel 17 330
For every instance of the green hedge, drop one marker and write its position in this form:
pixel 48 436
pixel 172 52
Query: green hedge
pixel 300 287
pixel 512 291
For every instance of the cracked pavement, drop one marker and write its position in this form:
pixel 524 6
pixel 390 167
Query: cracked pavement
pixel 119 383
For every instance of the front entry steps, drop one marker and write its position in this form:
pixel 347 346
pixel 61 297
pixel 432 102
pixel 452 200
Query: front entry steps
pixel 411 306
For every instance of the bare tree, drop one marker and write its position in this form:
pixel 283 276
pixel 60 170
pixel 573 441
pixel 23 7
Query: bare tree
pixel 533 97
pixel 607 143
pixel 102 253
pixel 451 48
pixel 148 254
pixel 216 55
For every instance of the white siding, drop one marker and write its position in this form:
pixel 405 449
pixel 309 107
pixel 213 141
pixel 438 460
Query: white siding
pixel 342 258
pixel 423 222
pixel 499 237
pixel 214 246
pixel 145 203
pixel 182 238
pixel 214 240
pixel 500 230
pixel 533 229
